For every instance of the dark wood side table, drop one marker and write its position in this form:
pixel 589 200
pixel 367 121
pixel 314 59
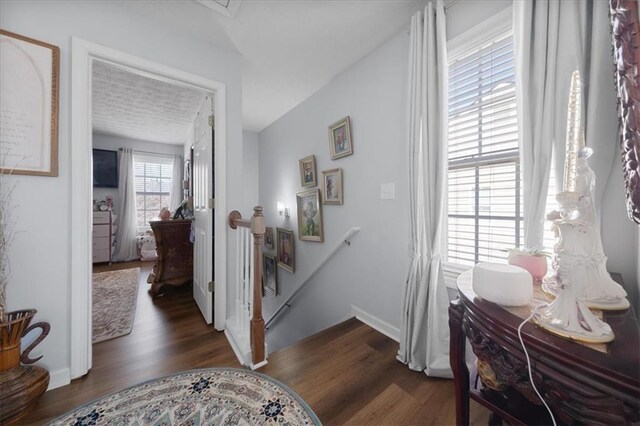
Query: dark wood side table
pixel 174 264
pixel 582 385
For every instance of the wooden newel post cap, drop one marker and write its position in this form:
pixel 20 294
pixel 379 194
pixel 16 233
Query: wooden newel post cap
pixel 257 222
pixel 233 216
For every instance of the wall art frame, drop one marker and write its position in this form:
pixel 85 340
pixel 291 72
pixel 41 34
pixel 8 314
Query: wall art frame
pixel 340 143
pixel 286 252
pixel 310 227
pixel 29 92
pixel 332 187
pixel 308 175
pixel 270 273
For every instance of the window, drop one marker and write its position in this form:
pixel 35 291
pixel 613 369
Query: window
pixel 484 183
pixel 153 186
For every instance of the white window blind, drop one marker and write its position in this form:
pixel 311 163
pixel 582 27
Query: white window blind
pixel 153 186
pixel 484 186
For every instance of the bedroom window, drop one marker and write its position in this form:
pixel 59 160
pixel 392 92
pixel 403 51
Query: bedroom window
pixel 153 186
pixel 484 181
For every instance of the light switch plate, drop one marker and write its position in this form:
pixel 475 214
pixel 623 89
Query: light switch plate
pixel 388 191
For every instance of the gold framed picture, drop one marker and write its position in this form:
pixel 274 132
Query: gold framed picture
pixel 340 142
pixel 286 249
pixel 270 274
pixel 29 90
pixel 310 216
pixel 308 175
pixel 332 186
pixel 268 238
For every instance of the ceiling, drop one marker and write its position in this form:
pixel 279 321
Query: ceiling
pixel 136 107
pixel 290 48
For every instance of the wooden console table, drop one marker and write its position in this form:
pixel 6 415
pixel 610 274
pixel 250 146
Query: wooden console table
pixel 581 384
pixel 174 264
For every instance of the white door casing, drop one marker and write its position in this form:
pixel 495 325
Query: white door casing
pixel 83 53
pixel 202 196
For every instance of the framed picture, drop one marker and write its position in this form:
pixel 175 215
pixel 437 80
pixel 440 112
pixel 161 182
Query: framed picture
pixel 268 238
pixel 286 249
pixel 310 216
pixel 270 275
pixel 332 186
pixel 29 90
pixel 308 171
pixel 340 138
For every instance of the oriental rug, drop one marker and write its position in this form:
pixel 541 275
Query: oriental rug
pixel 114 303
pixel 212 396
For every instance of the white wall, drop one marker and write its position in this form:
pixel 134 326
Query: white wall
pixel 250 171
pixel 371 273
pixel 113 143
pixel 39 257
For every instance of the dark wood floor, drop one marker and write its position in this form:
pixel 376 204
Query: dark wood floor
pixel 348 374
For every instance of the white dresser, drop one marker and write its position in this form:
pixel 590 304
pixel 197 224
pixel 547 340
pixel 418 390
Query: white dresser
pixel 103 236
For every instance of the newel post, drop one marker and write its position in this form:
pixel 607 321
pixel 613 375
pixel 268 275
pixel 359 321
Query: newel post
pixel 257 322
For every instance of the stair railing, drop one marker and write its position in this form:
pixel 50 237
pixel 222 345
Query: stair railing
pixel 246 326
pixel 346 240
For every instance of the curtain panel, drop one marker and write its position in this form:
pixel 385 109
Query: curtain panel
pixel 552 39
pixel 424 341
pixel 126 243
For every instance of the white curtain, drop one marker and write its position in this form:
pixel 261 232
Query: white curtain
pixel 553 39
pixel 424 341
pixel 176 195
pixel 126 244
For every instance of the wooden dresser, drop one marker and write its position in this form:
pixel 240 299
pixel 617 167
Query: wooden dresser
pixel 174 264
pixel 583 384
pixel 103 236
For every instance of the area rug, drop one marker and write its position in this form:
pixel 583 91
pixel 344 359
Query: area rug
pixel 114 303
pixel 212 396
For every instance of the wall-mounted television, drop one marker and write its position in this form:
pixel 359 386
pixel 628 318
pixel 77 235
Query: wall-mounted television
pixel 105 168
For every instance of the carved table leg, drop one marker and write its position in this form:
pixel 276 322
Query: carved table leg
pixel 458 364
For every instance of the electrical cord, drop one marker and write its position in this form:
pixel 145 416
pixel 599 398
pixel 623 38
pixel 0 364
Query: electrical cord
pixel 526 354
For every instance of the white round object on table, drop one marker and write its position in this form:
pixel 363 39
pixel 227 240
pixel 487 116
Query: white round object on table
pixel 506 285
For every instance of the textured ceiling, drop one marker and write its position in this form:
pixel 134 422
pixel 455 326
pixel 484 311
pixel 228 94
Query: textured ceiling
pixel 290 48
pixel 129 105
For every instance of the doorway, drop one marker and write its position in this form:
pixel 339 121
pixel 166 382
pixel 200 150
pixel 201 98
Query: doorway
pixel 83 56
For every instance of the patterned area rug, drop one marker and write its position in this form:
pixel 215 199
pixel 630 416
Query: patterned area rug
pixel 114 303
pixel 213 396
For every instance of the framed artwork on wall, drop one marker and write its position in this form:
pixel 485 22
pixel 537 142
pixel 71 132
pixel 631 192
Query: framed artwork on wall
pixel 332 186
pixel 308 175
pixel 268 238
pixel 310 216
pixel 286 249
pixel 340 143
pixel 270 276
pixel 29 90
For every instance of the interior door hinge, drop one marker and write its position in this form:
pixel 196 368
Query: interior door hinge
pixel 212 203
pixel 211 286
pixel 212 120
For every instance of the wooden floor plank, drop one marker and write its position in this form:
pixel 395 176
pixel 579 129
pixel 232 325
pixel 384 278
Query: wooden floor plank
pixel 348 373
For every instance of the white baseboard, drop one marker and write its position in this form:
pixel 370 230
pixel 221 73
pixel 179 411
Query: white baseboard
pixel 59 378
pixel 376 323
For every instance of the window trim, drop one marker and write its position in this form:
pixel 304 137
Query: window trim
pixel 457 47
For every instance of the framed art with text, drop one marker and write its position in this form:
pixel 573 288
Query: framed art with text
pixel 29 79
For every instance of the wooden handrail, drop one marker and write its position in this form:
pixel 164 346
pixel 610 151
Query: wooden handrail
pixel 257 226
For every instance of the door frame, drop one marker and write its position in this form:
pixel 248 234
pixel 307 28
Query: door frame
pixel 83 53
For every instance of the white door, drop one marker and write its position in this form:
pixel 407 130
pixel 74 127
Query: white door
pixel 203 211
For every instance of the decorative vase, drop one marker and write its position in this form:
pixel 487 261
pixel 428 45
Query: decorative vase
pixel 20 386
pixel 535 265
